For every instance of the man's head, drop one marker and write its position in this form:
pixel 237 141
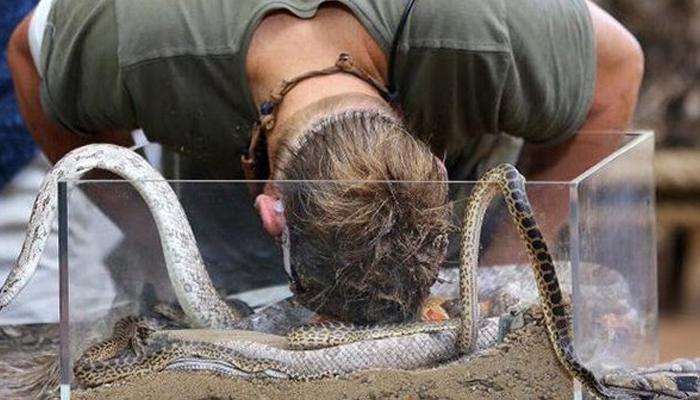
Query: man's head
pixel 364 247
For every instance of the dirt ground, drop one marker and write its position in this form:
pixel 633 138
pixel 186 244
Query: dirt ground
pixel 523 367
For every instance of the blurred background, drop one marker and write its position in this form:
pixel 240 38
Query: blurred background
pixel 669 32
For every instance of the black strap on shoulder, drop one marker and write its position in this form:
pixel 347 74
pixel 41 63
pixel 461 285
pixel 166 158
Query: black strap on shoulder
pixel 392 87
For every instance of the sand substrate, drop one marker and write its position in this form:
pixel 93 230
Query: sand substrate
pixel 522 367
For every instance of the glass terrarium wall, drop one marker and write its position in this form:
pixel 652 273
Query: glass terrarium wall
pixel 239 255
pixel 597 218
pixel 597 214
pixel 613 224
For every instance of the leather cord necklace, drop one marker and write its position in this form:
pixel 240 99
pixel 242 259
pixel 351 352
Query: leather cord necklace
pixel 254 159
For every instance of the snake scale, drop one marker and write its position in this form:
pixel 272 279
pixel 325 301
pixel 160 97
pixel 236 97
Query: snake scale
pixel 186 269
pixel 401 346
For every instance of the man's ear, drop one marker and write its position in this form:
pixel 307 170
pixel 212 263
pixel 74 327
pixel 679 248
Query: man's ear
pixel 272 214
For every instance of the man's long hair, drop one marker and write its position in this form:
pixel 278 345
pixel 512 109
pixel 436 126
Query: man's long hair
pixel 367 233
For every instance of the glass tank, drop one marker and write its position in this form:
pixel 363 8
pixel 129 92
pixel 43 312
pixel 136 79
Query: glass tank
pixel 597 216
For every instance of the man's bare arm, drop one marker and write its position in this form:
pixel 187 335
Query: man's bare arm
pixel 619 71
pixel 55 141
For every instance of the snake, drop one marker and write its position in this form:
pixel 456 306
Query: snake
pixel 678 379
pixel 254 354
pixel 192 285
pixel 343 348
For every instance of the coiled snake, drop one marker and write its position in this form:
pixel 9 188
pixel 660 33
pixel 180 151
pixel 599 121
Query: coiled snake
pixel 415 344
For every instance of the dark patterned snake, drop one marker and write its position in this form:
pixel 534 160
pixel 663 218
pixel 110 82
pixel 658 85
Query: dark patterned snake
pixel 346 349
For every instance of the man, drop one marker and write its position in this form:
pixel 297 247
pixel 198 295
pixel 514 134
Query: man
pixel 453 74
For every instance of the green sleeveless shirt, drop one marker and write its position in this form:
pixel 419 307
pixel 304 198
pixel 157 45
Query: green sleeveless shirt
pixel 467 70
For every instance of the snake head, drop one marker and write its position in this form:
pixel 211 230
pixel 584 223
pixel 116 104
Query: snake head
pixel 433 309
pixel 14 283
pixel 7 293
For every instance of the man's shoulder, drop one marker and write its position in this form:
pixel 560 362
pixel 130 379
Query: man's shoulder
pixel 471 25
pixel 173 28
pixel 474 25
